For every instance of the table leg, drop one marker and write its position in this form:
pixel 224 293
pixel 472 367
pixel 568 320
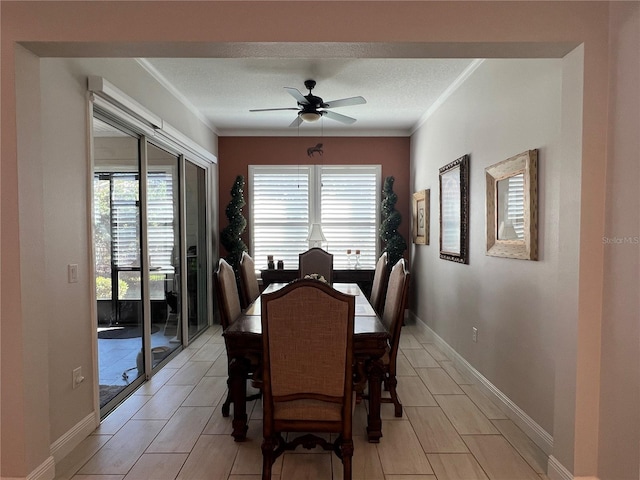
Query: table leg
pixel 359 378
pixel 238 391
pixel 374 422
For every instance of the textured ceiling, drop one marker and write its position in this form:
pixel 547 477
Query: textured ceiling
pixel 398 91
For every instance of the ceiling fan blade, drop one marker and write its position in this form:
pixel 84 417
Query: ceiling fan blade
pixel 272 109
pixel 296 122
pixel 295 93
pixel 345 102
pixel 338 117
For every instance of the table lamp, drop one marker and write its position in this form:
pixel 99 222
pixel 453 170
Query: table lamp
pixel 316 238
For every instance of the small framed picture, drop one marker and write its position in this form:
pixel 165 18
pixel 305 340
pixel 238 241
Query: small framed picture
pixel 421 217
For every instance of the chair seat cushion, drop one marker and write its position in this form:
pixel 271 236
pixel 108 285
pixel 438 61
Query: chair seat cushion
pixel 307 410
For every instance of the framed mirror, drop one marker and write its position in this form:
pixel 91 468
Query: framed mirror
pixel 454 211
pixel 512 207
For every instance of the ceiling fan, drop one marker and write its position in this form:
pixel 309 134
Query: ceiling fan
pixel 311 108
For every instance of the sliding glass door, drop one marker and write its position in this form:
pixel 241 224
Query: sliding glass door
pixel 151 255
pixel 196 235
pixel 117 246
pixel 163 244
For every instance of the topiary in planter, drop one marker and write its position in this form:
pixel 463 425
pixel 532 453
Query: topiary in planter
pixel 394 243
pixel 230 235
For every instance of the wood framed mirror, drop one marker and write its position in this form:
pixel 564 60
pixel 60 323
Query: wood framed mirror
pixel 512 207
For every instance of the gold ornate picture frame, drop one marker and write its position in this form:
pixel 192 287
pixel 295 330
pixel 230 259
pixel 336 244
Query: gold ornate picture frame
pixel 512 207
pixel 421 218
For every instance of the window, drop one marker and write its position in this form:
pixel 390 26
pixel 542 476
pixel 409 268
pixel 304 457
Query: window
pixel 285 201
pixel 117 229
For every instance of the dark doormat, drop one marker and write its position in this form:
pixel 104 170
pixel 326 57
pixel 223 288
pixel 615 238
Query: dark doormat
pixel 123 332
pixel 107 392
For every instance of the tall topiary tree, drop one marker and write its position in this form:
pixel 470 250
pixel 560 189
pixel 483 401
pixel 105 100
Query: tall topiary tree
pixel 395 244
pixel 230 235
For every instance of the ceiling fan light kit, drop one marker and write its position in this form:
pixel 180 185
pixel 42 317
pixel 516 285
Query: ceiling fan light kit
pixel 311 108
pixel 310 116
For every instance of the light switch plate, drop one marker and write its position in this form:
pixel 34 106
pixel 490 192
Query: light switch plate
pixel 72 273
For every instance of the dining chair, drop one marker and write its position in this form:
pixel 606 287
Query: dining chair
pixel 248 280
pixel 229 308
pixel 379 285
pixel 307 337
pixel 393 317
pixel 227 293
pixel 316 260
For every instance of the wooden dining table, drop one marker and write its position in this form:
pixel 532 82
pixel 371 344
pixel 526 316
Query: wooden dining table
pixel 243 339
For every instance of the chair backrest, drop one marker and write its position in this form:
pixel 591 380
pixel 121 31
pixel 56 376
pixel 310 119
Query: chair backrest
pixel 379 286
pixel 248 279
pixel 394 306
pixel 307 335
pixel 227 293
pixel 316 260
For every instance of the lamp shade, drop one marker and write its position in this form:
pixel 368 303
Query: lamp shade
pixel 310 116
pixel 316 238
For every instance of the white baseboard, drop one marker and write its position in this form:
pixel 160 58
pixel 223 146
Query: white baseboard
pixel 70 440
pixel 557 471
pixel 46 471
pixel 61 448
pixel 534 431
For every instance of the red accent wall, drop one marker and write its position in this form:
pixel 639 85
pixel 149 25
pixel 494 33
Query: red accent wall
pixel 235 154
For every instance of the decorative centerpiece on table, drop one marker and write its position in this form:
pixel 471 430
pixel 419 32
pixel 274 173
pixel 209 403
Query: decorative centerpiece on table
pixel 316 276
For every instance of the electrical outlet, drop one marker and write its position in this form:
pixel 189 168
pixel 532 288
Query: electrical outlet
pixel 77 377
pixel 475 335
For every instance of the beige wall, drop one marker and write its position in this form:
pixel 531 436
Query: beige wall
pixel 566 346
pixel 504 108
pixel 65 210
pixel 130 29
pixel 34 408
pixel 619 434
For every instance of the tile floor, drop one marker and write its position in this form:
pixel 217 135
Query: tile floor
pixel 172 428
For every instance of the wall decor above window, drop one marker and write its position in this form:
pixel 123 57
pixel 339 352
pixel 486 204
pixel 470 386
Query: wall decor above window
pixel 512 207
pixel 454 211
pixel 421 206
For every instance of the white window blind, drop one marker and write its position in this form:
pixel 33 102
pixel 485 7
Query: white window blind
pixel 117 221
pixel 125 219
pixel 280 213
pixel 286 201
pixel 161 224
pixel 349 207
pixel 515 204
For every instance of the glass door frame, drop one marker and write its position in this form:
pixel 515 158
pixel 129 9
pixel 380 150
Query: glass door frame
pixel 146 137
pixel 144 263
pixel 211 251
